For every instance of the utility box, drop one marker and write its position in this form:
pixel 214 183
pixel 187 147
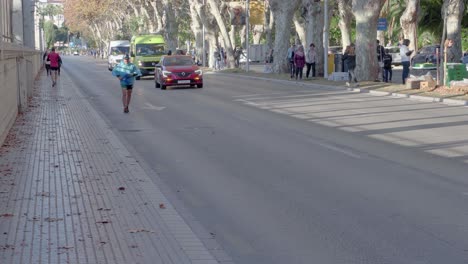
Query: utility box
pixel 331 63
pixel 258 52
pixel 455 72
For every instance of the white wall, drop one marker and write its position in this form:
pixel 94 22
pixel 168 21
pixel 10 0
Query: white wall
pixel 17 75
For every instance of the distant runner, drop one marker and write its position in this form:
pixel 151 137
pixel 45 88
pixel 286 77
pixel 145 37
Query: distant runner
pixel 54 59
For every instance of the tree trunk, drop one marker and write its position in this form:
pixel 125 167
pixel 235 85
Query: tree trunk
pixel 257 33
pixel 409 23
pixel 197 27
pixel 222 27
pixel 269 23
pixel 158 27
pixel 454 10
pixel 283 11
pixel 366 13
pixel 232 36
pixel 300 30
pixel 171 27
pixel 242 36
pixel 315 33
pixel 346 16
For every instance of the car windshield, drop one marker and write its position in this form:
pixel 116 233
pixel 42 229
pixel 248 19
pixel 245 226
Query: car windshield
pixel 177 61
pixel 149 49
pixel 119 50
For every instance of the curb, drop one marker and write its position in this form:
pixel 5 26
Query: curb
pixel 455 102
pixel 425 98
pixel 360 90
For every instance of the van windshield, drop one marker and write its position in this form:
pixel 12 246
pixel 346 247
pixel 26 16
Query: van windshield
pixel 149 49
pixel 119 50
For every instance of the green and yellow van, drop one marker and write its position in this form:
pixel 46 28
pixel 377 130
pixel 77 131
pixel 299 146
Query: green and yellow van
pixel 146 51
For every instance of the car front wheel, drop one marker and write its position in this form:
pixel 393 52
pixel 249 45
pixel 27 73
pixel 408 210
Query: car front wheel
pixel 200 85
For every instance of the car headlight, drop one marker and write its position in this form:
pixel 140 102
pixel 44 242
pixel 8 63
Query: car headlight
pixel 140 63
pixel 166 73
pixel 199 72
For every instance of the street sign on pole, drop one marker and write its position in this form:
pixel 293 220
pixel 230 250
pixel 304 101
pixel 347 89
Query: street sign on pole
pixel 382 24
pixel 247 14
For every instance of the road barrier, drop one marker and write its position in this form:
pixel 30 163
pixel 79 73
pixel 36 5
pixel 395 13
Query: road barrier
pixel 19 67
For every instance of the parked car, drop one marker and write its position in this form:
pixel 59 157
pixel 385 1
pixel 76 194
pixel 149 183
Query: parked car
pixel 177 70
pixel 395 52
pixel 464 59
pixel 427 54
pixel 75 53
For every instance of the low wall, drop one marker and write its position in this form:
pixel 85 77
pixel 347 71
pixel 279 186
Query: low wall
pixel 18 70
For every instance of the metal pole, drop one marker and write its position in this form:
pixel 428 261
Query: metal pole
pixel 203 35
pixel 325 40
pixel 247 22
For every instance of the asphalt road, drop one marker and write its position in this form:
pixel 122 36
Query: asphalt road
pixel 270 171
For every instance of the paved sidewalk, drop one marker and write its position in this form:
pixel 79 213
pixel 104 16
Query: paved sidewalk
pixel 70 192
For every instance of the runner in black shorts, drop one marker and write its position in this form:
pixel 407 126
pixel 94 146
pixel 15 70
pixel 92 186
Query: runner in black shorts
pixel 126 72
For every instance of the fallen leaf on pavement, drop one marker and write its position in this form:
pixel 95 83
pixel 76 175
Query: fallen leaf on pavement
pixel 6 215
pixel 140 230
pixel 162 206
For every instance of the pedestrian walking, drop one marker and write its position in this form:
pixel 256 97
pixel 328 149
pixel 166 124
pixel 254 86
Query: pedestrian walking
pixel 291 52
pixel 217 60
pixel 349 57
pixel 237 54
pixel 126 72
pixel 405 54
pixel 46 61
pixel 387 60
pixel 54 59
pixel 310 60
pixel 60 65
pixel 299 61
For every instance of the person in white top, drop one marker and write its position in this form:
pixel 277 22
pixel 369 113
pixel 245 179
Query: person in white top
pixel 405 54
pixel 310 60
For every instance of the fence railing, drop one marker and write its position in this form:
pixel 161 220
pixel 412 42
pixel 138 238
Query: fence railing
pixel 19 67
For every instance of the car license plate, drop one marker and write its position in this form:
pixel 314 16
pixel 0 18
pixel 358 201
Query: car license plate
pixel 183 81
pixel 151 73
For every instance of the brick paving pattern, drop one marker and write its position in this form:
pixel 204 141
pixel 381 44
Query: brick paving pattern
pixel 71 193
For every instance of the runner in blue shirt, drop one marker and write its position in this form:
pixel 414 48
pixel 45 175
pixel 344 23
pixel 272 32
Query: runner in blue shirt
pixel 126 72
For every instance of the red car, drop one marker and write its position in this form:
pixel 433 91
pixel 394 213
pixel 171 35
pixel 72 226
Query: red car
pixel 177 70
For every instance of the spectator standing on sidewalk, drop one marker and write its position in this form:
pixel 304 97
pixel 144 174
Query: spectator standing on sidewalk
pixel 387 60
pixel 310 60
pixel 349 57
pixel 54 59
pixel 291 52
pixel 405 54
pixel 450 52
pixel 299 61
pixel 126 72
pixel 380 54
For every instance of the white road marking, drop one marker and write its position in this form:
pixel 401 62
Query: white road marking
pixel 338 149
pixel 153 107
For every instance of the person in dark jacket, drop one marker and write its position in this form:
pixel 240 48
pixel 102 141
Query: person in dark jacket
pixel 387 60
pixel 46 61
pixel 349 57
